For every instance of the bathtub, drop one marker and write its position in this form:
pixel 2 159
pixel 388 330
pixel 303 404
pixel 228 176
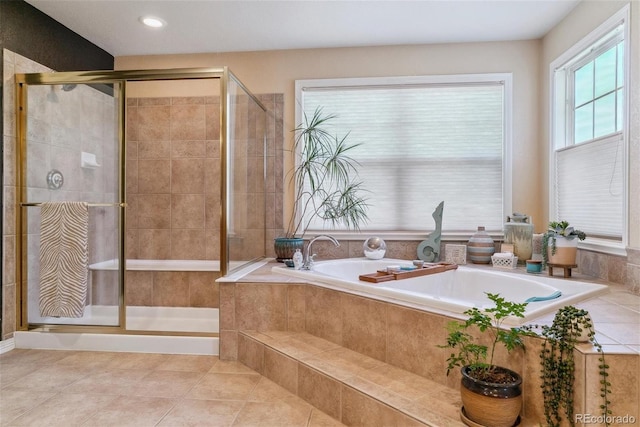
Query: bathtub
pixel 450 292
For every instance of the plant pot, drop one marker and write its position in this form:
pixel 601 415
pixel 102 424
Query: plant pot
pixel 491 404
pixel 285 247
pixel 566 251
pixel 534 266
pixel 586 330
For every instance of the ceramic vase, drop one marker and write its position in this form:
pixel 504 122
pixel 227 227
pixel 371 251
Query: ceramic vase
pixel 480 247
pixel 519 232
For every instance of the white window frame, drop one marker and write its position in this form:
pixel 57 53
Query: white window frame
pixel 506 79
pixel 561 115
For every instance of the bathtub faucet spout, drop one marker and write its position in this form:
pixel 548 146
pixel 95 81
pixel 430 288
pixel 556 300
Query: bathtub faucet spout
pixel 308 257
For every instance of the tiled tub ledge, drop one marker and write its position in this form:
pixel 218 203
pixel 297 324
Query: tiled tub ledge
pixel 351 387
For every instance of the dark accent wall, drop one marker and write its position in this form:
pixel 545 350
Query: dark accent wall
pixel 28 32
pixel 31 33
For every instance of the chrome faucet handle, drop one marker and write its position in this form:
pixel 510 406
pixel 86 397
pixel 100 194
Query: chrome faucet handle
pixel 307 257
pixel 308 265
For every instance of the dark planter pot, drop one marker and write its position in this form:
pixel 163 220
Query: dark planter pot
pixel 285 247
pixel 491 404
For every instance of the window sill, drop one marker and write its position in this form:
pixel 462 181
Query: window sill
pixel 603 246
pixel 401 236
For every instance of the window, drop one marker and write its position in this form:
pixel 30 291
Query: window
pixel 423 140
pixel 589 138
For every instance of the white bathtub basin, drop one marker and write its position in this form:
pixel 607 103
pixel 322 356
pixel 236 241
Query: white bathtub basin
pixel 452 291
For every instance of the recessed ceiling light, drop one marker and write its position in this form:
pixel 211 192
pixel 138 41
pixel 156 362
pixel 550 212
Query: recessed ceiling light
pixel 153 22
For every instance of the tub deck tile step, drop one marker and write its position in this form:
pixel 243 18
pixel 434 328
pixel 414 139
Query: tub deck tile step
pixel 384 390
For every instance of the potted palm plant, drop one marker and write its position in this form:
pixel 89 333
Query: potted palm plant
pixel 325 183
pixel 491 394
pixel 560 243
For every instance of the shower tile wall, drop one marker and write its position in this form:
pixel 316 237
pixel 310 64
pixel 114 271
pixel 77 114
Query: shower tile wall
pixel 173 187
pixel 173 169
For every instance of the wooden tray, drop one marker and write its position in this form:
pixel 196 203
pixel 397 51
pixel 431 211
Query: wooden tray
pixel 430 268
pixel 377 277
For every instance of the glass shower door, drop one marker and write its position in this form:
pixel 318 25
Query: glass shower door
pixel 71 153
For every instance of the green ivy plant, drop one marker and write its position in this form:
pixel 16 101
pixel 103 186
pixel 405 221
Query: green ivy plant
pixel 479 357
pixel 558 367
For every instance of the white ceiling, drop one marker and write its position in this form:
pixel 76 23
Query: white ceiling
pixel 252 25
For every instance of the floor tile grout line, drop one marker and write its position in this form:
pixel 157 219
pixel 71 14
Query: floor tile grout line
pixel 31 408
pixel 175 404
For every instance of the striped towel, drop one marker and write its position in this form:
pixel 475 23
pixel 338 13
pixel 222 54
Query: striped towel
pixel 64 232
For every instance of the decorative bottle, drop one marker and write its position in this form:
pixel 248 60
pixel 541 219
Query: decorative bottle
pixel 518 231
pixel 297 260
pixel 480 247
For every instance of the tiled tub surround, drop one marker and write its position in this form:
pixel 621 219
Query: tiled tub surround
pixel 261 318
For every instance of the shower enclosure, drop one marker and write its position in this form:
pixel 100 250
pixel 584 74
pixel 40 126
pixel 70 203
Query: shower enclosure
pixel 171 166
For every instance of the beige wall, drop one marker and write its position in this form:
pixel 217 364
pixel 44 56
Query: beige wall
pixel 276 72
pixel 586 17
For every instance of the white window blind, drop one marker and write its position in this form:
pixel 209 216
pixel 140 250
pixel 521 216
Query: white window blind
pixel 589 187
pixel 421 144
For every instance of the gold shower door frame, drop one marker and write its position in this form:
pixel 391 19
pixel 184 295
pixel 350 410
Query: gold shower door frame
pixel 23 81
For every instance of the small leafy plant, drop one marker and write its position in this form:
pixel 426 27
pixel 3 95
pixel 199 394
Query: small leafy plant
pixel 558 366
pixel 558 228
pixel 479 357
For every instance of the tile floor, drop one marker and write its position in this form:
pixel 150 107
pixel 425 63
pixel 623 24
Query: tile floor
pixel 75 388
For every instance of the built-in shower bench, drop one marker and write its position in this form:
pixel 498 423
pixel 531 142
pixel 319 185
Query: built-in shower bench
pixel 351 387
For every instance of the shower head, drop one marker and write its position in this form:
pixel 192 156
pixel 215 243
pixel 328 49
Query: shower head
pixel 51 96
pixel 68 87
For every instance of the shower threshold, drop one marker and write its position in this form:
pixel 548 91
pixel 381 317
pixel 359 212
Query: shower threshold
pixel 143 318
pixel 134 343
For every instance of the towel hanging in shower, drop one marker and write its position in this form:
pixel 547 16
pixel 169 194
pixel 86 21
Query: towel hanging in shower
pixel 64 229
